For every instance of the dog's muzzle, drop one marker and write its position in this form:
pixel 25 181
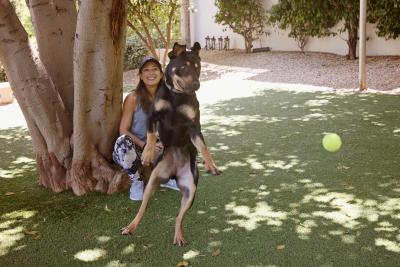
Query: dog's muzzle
pixel 196 85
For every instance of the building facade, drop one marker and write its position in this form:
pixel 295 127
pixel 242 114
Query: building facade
pixel 203 25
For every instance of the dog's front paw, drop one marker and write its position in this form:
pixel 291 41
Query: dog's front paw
pixel 148 155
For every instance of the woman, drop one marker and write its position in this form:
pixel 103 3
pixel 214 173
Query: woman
pixel 133 126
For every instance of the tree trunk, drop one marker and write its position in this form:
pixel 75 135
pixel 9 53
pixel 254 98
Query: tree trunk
pixel 185 22
pixel 248 42
pixel 352 41
pixel 98 95
pixel 38 88
pixel 41 104
pixel 54 23
pixel 168 36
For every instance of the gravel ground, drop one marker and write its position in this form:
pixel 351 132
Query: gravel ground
pixel 317 69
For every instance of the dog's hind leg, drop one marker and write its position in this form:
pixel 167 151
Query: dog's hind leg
pixel 186 183
pixel 160 173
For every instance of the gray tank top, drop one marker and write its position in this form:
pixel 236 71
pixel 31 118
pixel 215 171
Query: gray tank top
pixel 139 123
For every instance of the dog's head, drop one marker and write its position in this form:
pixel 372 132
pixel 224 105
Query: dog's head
pixel 183 70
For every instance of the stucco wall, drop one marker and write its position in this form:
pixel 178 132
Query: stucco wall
pixel 202 24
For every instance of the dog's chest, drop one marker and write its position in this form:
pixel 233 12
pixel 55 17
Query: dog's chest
pixel 188 112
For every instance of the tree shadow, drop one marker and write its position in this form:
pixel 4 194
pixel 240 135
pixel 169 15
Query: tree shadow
pixel 296 204
pixel 282 200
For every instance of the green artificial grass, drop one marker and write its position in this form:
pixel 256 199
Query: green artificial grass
pixel 282 200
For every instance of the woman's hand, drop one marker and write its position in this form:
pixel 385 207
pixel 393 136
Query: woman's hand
pixel 159 146
pixel 149 150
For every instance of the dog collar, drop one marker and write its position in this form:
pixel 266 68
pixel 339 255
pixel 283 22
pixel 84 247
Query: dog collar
pixel 168 86
pixel 172 89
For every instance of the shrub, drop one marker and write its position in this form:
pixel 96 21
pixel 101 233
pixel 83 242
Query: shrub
pixel 3 77
pixel 134 53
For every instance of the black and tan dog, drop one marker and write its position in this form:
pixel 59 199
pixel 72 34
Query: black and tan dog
pixel 176 112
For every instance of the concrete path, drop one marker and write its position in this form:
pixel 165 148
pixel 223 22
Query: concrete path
pixel 221 83
pixel 11 116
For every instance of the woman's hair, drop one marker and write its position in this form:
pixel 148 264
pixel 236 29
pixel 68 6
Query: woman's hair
pixel 142 94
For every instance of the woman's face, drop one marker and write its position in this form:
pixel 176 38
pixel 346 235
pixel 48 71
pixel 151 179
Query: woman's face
pixel 151 74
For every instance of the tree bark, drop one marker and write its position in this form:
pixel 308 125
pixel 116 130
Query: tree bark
pixel 352 41
pixel 98 68
pixel 168 37
pixel 185 22
pixel 97 72
pixel 248 42
pixel 40 103
pixel 54 23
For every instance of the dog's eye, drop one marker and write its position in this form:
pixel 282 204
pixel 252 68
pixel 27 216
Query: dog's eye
pixel 187 63
pixel 196 65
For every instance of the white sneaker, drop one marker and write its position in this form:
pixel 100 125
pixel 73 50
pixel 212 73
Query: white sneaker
pixel 136 191
pixel 171 184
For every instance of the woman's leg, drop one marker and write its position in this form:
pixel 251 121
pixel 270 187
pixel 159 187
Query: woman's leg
pixel 127 156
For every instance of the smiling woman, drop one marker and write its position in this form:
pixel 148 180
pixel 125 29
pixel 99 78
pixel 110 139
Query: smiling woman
pixel 133 126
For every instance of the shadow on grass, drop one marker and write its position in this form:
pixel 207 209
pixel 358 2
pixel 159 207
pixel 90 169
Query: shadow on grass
pixel 281 201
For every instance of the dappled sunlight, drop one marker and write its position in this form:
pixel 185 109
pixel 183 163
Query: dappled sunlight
pixel 280 193
pixel 317 102
pixel 223 130
pixel 346 208
pixel 9 238
pixel 214 244
pixel 315 116
pixel 255 164
pixel 388 245
pixel 287 164
pixel 24 160
pixel 16 153
pixel 352 213
pixel 233 125
pixel 15 172
pixel 268 166
pixel 190 254
pixel 90 255
pixel 103 239
pixel 347 215
pixel 128 249
pixel 235 120
pixel 216 71
pixel 118 263
pixel 221 82
pixel 251 218
pixel 15 134
pixel 12 229
pixel 26 164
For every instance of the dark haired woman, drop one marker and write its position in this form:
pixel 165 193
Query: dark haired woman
pixel 133 128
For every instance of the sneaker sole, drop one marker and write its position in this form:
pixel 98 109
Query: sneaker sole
pixel 170 187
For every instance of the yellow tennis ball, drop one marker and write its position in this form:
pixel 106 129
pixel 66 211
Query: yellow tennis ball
pixel 332 142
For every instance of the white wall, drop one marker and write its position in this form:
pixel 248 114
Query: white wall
pixel 203 24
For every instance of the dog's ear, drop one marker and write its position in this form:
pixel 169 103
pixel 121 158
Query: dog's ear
pixel 196 48
pixel 177 49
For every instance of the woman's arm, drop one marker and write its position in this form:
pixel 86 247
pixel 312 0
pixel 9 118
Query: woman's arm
pixel 128 111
